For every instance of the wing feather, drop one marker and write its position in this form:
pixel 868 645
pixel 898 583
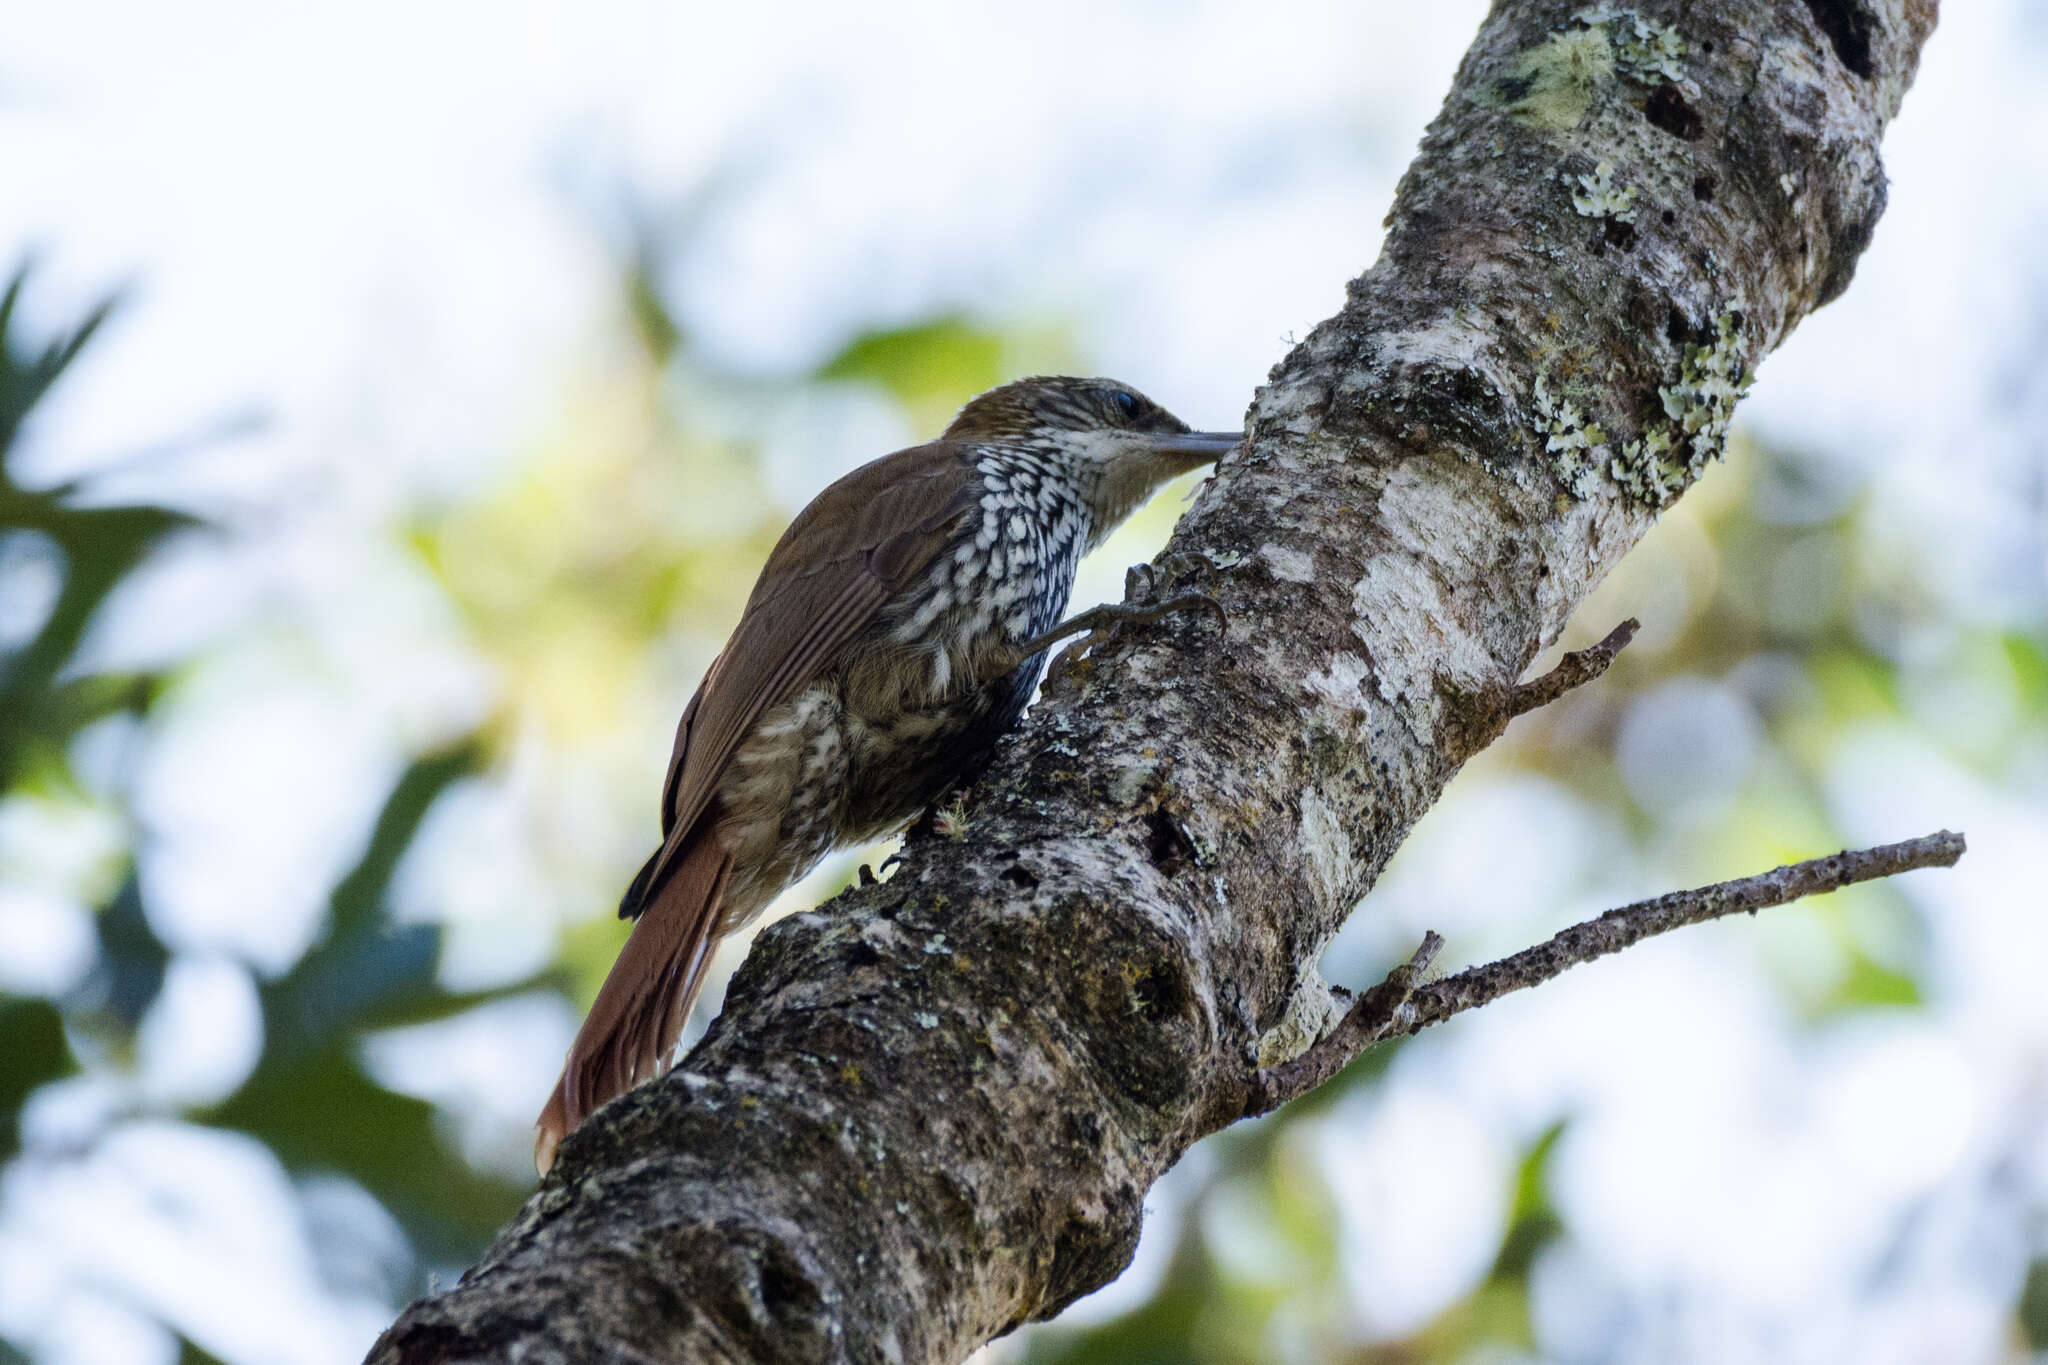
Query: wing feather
pixel 857 545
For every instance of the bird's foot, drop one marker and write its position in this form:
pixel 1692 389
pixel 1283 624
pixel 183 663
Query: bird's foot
pixel 1143 585
pixel 1142 604
pixel 1104 620
pixel 1142 582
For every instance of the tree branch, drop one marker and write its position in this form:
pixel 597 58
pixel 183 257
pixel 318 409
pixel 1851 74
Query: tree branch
pixel 1573 671
pixel 1401 1005
pixel 1631 924
pixel 932 1112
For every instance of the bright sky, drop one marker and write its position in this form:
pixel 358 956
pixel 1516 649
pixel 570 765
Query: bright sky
pixel 378 228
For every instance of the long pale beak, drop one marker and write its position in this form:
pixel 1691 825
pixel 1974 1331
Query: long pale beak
pixel 1209 445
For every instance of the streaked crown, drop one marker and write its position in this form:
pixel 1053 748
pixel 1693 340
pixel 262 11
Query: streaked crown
pixel 1059 405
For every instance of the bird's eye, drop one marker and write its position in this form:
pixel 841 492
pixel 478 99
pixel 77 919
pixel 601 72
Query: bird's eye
pixel 1126 403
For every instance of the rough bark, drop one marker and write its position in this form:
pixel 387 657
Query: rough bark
pixel 930 1110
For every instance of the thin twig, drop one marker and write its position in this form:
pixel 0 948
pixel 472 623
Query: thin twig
pixel 1575 669
pixel 1397 1006
pixel 1618 929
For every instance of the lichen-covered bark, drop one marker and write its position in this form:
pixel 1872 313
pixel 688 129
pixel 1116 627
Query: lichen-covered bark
pixel 931 1109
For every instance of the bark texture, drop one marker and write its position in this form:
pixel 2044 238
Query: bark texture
pixel 930 1110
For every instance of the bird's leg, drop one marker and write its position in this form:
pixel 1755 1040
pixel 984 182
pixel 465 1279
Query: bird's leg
pixel 1109 616
pixel 1104 620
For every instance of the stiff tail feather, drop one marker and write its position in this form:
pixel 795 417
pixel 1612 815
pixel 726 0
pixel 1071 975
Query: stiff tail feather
pixel 640 1010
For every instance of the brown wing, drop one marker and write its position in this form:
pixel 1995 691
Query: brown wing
pixel 857 545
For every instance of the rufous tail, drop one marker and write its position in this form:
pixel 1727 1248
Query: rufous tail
pixel 640 1010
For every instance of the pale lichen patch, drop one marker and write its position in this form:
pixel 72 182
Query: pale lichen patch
pixel 1340 683
pixel 1657 467
pixel 1130 783
pixel 1662 462
pixel 1429 519
pixel 1289 564
pixel 1453 339
pixel 1641 49
pixel 1577 447
pixel 1598 196
pixel 1289 408
pixel 1553 84
pixel 1326 848
pixel 1312 1011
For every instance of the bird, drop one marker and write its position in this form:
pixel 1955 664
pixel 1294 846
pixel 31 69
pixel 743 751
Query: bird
pixel 898 628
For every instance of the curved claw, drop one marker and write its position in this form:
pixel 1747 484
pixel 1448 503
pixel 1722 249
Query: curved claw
pixel 1188 601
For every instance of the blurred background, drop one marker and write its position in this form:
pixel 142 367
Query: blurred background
pixel 398 399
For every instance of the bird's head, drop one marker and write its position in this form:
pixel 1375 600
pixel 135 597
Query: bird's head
pixel 1119 444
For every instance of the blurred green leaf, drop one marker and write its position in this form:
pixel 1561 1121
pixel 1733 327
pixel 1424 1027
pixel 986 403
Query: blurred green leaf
pixel 1496 1313
pixel 34 1052
pixel 129 972
pixel 99 548
pixel 35 738
pixel 1855 685
pixel 945 361
pixel 652 318
pixel 2032 1311
pixel 27 373
pixel 2029 660
pixel 102 546
pixel 310 1100
pixel 367 972
pixel 1869 984
pixel 318 1111
pixel 191 1352
pixel 1533 1223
